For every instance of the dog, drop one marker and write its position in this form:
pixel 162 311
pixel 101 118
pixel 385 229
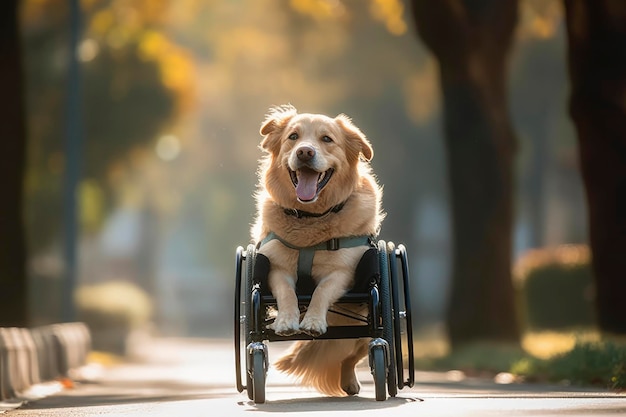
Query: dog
pixel 315 185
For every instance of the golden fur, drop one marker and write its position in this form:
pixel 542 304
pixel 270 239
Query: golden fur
pixel 337 146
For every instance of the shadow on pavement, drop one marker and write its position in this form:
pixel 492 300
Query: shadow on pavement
pixel 307 404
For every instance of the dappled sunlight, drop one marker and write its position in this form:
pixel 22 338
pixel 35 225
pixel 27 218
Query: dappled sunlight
pixel 391 13
pixel 547 344
pixel 423 98
pixel 319 9
pixel 540 19
pixel 91 197
pixel 88 50
pixel 167 147
pixel 567 256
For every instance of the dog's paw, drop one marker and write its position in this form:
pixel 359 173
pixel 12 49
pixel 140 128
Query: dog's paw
pixel 349 382
pixel 285 325
pixel 351 387
pixel 314 326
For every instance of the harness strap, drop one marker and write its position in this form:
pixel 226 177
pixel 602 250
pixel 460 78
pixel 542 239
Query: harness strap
pixel 305 264
pixel 306 254
pixel 331 244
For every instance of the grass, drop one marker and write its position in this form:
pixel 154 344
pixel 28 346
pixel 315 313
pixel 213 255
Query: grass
pixel 582 358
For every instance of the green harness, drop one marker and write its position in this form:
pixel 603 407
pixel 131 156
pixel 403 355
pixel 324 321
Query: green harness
pixel 306 254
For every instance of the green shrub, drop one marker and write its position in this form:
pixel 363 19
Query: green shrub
pixel 588 363
pixel 555 288
pixel 112 310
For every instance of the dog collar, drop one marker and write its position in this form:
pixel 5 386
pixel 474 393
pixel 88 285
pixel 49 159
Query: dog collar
pixel 303 214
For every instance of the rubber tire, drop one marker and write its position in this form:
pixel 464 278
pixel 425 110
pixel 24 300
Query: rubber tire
pixel 258 377
pixel 408 318
pixel 250 260
pixel 379 371
pixel 239 333
pixel 397 321
pixel 387 314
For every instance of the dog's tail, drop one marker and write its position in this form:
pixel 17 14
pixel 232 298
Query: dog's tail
pixel 319 364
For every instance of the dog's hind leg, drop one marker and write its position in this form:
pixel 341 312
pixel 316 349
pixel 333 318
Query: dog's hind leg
pixel 349 381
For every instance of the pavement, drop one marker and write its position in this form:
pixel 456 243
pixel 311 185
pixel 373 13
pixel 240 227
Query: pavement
pixel 195 377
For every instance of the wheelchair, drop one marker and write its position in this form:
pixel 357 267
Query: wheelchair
pixel 381 288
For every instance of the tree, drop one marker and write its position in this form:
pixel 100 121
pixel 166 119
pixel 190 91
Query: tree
pixel 13 288
pixel 597 65
pixel 471 40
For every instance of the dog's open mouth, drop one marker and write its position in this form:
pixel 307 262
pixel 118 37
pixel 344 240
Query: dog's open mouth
pixel 309 183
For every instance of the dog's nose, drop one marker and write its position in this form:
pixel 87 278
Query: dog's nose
pixel 305 153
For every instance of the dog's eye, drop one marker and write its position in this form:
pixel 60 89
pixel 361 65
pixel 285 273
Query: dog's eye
pixel 327 139
pixel 293 136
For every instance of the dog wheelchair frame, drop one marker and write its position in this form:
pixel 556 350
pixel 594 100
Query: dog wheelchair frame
pixel 381 283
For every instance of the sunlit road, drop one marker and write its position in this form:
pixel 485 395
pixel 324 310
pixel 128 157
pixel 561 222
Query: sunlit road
pixel 191 377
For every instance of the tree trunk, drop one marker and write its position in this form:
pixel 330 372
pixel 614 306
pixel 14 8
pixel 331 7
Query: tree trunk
pixel 13 283
pixel 597 65
pixel 470 40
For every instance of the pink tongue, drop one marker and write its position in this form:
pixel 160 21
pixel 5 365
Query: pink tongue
pixel 307 184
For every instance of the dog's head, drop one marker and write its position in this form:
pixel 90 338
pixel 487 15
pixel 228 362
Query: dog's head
pixel 312 159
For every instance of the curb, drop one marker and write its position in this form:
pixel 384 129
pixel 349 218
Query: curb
pixel 31 358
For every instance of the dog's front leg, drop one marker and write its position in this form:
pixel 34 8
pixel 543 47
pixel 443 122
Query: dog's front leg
pixel 287 320
pixel 329 290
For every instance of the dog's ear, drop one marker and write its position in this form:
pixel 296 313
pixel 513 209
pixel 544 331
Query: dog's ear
pixel 355 139
pixel 274 123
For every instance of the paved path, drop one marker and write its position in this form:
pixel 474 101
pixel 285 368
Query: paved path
pixel 193 377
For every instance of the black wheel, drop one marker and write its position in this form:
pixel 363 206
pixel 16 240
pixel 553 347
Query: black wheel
pixel 239 332
pixel 379 371
pixel 258 376
pixel 397 320
pixel 407 319
pixel 387 314
pixel 247 309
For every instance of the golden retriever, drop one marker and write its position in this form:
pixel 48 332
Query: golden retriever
pixel 315 184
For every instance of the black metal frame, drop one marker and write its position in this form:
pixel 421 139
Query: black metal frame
pixel 385 304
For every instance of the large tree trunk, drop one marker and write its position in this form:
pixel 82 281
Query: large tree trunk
pixel 13 288
pixel 597 64
pixel 470 40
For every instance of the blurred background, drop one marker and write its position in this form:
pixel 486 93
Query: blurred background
pixel 173 94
